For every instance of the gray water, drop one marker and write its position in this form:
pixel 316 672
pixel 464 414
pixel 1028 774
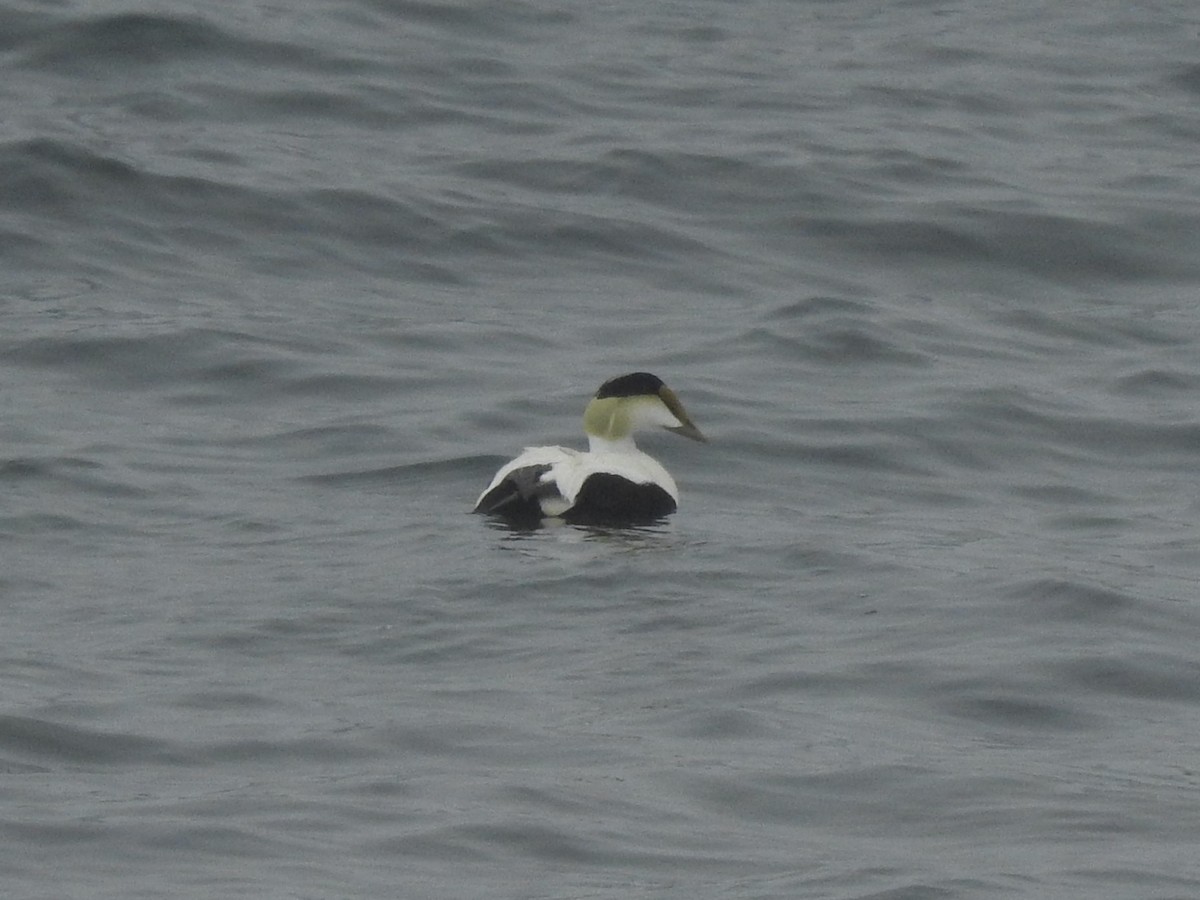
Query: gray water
pixel 281 288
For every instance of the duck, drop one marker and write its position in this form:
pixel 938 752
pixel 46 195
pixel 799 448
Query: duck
pixel 612 483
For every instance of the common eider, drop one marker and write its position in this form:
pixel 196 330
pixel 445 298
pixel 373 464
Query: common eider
pixel 613 483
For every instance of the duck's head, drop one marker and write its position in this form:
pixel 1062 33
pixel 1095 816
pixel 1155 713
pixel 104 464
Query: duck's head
pixel 636 402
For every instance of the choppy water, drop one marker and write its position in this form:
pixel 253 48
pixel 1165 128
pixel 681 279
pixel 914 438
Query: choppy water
pixel 283 285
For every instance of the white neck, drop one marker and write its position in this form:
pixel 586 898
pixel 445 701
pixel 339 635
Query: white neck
pixel 597 444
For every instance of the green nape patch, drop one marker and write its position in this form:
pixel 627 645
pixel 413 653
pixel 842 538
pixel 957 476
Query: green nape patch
pixel 612 417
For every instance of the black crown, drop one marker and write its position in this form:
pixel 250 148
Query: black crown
pixel 638 384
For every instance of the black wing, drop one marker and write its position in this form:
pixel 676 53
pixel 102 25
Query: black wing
pixel 518 496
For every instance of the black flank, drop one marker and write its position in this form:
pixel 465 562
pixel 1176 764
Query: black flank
pixel 612 500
